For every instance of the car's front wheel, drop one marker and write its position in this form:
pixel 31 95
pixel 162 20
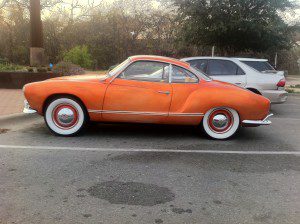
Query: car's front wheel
pixel 221 123
pixel 65 116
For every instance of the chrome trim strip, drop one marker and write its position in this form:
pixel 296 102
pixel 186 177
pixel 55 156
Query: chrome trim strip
pixel 186 114
pixel 265 121
pixel 170 70
pixel 127 112
pixel 144 113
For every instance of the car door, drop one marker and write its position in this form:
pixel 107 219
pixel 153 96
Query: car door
pixel 141 93
pixel 226 71
pixel 184 84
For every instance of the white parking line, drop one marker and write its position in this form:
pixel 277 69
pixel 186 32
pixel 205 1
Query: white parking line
pixel 152 150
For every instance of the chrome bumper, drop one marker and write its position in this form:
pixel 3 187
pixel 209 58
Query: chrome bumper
pixel 27 109
pixel 258 122
pixel 275 96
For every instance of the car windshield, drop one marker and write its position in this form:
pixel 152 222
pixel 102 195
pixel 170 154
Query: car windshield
pixel 260 66
pixel 118 68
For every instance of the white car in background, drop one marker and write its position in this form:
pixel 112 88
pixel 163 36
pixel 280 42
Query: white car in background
pixel 256 75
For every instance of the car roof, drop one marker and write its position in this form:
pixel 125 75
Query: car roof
pixel 161 59
pixel 230 58
pixel 252 59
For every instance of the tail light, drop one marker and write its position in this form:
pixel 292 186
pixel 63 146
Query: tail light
pixel 281 83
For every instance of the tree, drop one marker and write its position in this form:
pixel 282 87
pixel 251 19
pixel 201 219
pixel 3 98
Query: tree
pixel 236 25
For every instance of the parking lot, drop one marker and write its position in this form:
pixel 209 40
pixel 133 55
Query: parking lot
pixel 133 173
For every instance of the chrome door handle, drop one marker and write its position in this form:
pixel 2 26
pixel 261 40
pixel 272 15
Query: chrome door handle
pixel 164 92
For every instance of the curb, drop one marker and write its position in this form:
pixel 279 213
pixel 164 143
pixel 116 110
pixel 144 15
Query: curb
pixel 15 118
pixel 12 116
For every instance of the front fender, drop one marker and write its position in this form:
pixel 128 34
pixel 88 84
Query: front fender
pixel 90 93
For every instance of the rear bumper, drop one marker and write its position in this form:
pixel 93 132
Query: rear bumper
pixel 257 122
pixel 27 109
pixel 275 96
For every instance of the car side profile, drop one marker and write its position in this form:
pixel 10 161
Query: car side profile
pixel 257 75
pixel 146 89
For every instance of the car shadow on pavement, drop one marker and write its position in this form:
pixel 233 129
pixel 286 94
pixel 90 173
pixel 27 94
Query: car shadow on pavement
pixel 143 130
pixel 213 162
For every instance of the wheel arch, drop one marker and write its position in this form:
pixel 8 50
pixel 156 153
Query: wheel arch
pixel 61 95
pixel 254 90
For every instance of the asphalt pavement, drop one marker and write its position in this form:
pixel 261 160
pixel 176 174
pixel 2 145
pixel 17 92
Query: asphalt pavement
pixel 134 173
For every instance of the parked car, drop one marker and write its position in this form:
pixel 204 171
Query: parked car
pixel 256 75
pixel 146 89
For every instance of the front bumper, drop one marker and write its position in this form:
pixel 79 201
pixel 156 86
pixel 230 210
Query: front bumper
pixel 275 96
pixel 258 122
pixel 27 109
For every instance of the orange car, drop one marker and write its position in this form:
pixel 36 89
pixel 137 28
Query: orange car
pixel 146 89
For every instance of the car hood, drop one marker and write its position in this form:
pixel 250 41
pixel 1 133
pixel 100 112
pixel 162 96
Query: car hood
pixel 85 77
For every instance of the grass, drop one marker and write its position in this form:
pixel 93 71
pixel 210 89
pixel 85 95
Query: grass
pixel 290 90
pixel 295 86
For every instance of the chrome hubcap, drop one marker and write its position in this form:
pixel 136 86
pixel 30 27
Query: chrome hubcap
pixel 65 116
pixel 220 121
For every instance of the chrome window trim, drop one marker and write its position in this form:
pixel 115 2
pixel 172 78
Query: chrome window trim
pixel 117 74
pixel 170 71
pixel 199 79
pixel 132 62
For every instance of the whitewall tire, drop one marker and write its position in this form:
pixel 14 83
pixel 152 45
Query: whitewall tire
pixel 221 123
pixel 65 116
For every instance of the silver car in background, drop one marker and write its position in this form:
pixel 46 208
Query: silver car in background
pixel 257 75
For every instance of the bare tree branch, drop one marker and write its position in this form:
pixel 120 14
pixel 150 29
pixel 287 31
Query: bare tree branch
pixel 3 3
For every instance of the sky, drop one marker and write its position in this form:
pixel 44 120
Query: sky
pixel 289 17
pixel 293 17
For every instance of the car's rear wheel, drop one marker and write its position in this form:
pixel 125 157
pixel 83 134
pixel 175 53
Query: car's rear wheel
pixel 65 116
pixel 221 123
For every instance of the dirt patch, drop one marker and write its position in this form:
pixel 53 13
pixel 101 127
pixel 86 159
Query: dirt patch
pixel 181 210
pixel 3 130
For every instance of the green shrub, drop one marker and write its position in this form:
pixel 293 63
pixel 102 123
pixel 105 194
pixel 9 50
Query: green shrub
pixel 8 67
pixel 79 55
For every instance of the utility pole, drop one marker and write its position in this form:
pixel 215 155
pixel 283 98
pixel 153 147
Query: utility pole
pixel 37 51
pixel 275 61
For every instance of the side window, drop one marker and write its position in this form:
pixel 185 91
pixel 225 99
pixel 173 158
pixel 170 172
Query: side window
pixel 223 67
pixel 240 71
pixel 146 71
pixel 199 64
pixel 181 75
